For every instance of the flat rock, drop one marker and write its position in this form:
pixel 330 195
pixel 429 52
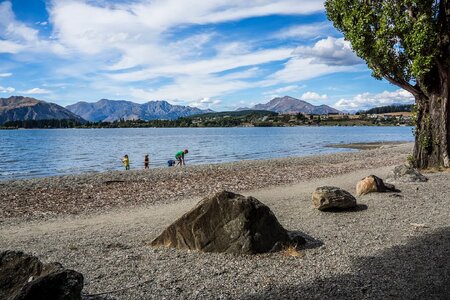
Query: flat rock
pixel 24 277
pixel 404 173
pixel 371 184
pixel 328 197
pixel 226 222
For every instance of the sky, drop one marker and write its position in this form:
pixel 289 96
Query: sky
pixel 217 54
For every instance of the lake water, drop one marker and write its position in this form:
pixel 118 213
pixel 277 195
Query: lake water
pixel 42 152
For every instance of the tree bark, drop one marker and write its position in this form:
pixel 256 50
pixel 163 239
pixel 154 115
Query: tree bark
pixel 432 133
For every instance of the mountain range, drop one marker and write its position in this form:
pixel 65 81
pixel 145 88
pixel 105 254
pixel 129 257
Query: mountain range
pixel 287 104
pixel 111 110
pixel 18 108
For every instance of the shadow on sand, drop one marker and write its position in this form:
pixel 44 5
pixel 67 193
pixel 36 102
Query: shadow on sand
pixel 357 208
pixel 418 270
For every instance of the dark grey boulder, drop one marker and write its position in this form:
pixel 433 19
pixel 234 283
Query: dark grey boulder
pixel 226 222
pixel 329 197
pixel 24 277
pixel 404 173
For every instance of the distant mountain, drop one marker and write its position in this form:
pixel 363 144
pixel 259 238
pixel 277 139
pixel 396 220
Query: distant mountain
pixel 18 108
pixel 112 110
pixel 288 104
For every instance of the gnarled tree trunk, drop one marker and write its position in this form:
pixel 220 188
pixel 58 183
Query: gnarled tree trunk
pixel 431 149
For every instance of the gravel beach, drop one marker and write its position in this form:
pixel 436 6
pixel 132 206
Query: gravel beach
pixel 393 246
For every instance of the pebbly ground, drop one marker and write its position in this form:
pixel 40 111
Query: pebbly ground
pixel 393 246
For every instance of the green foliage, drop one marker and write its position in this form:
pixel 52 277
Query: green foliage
pixel 51 123
pixel 390 109
pixel 241 113
pixel 411 160
pixel 397 38
pixel 425 139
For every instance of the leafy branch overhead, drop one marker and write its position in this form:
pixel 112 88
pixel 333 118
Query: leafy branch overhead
pixel 399 39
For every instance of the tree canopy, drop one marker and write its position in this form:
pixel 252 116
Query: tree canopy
pixel 399 39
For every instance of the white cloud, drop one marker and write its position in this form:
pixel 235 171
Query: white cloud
pixel 306 31
pixel 368 100
pixel 36 91
pixel 87 28
pixel 312 96
pixel 17 37
pixel 205 103
pixel 298 69
pixel 5 74
pixel 7 89
pixel 282 90
pixel 330 51
pixel 190 88
pixel 205 66
pixel 326 56
pixel 10 47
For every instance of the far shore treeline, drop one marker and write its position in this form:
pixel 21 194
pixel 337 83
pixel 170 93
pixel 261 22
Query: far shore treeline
pixel 247 118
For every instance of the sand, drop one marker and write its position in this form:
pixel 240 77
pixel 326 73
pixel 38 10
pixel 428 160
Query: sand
pixel 393 246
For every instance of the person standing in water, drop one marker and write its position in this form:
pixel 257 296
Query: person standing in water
pixel 180 157
pixel 146 161
pixel 126 162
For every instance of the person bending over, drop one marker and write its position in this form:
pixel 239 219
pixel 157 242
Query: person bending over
pixel 180 157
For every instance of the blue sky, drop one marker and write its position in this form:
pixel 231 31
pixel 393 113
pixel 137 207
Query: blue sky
pixel 218 54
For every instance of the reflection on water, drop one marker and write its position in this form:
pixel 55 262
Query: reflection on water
pixel 44 152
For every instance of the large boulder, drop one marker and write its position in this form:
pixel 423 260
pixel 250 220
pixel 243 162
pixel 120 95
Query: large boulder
pixel 226 222
pixel 404 173
pixel 329 197
pixel 372 184
pixel 24 277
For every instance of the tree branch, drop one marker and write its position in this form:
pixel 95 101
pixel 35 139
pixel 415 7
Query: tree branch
pixel 415 90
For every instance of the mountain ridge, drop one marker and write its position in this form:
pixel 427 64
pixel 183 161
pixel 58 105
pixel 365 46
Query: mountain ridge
pixel 20 108
pixel 106 110
pixel 288 104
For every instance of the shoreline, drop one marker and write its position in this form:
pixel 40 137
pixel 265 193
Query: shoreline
pixel 50 197
pixel 366 146
pixel 354 146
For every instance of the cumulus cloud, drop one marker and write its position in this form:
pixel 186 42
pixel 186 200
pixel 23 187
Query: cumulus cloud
pixel 368 100
pixel 312 96
pixel 330 51
pixel 35 91
pixel 7 89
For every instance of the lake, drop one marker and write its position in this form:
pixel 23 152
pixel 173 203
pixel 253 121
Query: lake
pixel 48 152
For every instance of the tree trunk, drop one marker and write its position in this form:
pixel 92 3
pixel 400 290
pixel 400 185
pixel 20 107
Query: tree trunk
pixel 432 134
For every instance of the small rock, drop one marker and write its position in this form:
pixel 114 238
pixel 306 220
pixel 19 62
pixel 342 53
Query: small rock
pixel 395 196
pixel 404 173
pixel 373 183
pixel 327 197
